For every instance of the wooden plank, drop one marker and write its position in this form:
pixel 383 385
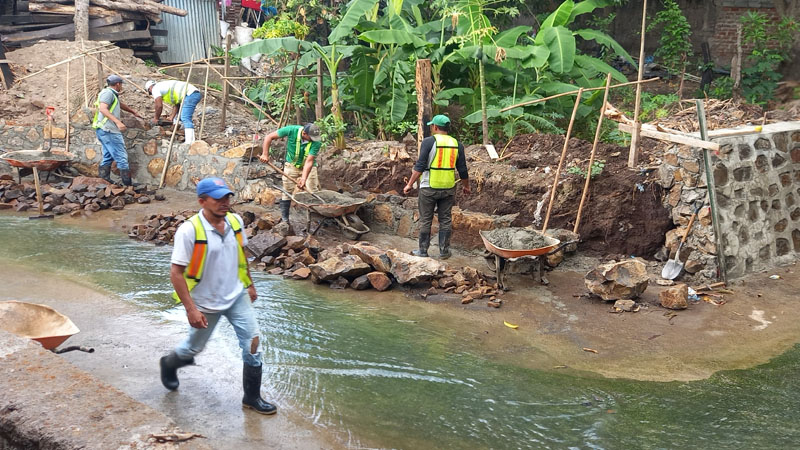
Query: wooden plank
pixel 646 131
pixel 34 18
pixel 52 8
pixel 156 32
pixel 126 36
pixel 66 31
pixel 5 72
pixel 118 28
pixel 424 99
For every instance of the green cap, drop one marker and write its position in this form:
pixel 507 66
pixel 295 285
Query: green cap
pixel 439 120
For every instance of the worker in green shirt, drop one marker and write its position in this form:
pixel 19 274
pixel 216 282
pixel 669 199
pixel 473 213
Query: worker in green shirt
pixel 302 145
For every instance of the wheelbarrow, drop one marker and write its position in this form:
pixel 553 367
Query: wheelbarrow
pixel 498 258
pixel 41 323
pixel 344 215
pixel 37 160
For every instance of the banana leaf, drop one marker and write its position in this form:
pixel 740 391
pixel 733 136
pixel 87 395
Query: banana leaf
pixel 559 17
pixel 355 11
pixel 561 43
pixel 602 38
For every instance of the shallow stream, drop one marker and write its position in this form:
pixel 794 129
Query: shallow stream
pixel 389 374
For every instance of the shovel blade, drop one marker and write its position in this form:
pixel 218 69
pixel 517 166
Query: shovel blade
pixel 671 270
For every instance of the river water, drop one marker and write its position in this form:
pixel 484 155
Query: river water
pixel 390 375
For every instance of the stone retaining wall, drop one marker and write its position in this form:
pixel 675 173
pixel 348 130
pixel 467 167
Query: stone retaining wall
pixel 757 180
pixel 147 151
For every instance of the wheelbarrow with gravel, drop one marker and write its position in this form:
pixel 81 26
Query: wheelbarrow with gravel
pixel 41 323
pixel 508 245
pixel 327 205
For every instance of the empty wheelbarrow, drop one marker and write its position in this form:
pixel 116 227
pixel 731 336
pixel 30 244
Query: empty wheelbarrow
pixel 41 323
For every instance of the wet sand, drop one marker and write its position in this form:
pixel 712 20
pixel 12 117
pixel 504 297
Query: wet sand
pixel 128 343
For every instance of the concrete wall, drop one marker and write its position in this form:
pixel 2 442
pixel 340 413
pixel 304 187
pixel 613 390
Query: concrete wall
pixel 757 180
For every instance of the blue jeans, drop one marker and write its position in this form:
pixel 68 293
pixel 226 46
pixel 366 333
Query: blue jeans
pixel 113 149
pixel 189 104
pixel 241 317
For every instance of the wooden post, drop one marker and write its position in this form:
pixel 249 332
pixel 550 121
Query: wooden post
pixel 591 156
pixel 175 128
pixel 712 193
pixel 205 96
pixel 81 19
pixel 320 106
pixel 561 160
pixel 225 81
pixel 85 86
pixel 68 109
pixel 100 78
pixel 633 156
pixel 424 99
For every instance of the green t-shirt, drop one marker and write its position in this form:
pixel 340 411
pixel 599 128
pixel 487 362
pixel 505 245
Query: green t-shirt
pixel 290 132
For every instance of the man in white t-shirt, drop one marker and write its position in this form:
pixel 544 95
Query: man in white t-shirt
pixel 173 92
pixel 211 278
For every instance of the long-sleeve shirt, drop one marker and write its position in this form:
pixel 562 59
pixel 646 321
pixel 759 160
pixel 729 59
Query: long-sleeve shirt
pixel 427 151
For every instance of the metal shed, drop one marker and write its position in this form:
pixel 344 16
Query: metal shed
pixel 190 35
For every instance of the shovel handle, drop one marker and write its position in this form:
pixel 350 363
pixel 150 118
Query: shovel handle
pixel 275 168
pixel 689 227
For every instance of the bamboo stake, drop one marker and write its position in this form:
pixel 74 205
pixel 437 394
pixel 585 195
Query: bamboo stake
pixel 275 77
pixel 539 100
pixel 591 157
pixel 196 61
pixel 244 97
pixel 225 83
pixel 114 71
pixel 66 146
pixel 205 97
pixel 85 88
pixel 175 128
pixel 633 156
pixel 561 160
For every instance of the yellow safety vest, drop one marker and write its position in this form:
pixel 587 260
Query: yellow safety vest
pixel 194 271
pixel 99 119
pixel 443 166
pixel 299 152
pixel 173 97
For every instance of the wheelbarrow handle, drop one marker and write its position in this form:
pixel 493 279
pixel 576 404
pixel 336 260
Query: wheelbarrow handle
pixel 294 180
pixel 561 246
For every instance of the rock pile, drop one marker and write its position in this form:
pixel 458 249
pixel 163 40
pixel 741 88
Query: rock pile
pixel 84 195
pixel 159 228
pixel 470 284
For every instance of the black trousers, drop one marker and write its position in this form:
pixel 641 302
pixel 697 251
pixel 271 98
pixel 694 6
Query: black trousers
pixel 439 200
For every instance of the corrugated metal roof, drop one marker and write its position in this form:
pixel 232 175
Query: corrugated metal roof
pixel 189 35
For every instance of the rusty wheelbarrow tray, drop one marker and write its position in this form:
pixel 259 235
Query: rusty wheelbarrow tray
pixel 344 215
pixel 38 322
pixel 497 257
pixel 39 159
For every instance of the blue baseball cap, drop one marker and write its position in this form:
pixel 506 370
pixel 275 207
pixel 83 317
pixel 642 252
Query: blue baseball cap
pixel 213 187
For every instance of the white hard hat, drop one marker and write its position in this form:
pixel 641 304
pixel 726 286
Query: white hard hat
pixel 149 84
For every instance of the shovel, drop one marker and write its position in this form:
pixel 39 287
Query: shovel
pixel 674 266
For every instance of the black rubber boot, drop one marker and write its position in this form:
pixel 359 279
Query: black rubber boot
pixel 251 382
pixel 169 370
pixel 444 244
pixel 285 206
pixel 126 177
pixel 424 243
pixel 104 172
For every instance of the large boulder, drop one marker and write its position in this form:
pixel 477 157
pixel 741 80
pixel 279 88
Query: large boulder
pixel 374 256
pixel 379 281
pixel 348 266
pixel 266 244
pixel 618 280
pixel 409 269
pixel 675 297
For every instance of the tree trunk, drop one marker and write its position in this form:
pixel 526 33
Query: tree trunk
pixel 81 20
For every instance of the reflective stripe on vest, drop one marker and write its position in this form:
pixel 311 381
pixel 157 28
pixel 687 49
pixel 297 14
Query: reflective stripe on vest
pixel 99 119
pixel 299 151
pixel 171 97
pixel 443 165
pixel 194 271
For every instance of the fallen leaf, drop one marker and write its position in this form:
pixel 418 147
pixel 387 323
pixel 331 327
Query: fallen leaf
pixel 590 350
pixel 513 327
